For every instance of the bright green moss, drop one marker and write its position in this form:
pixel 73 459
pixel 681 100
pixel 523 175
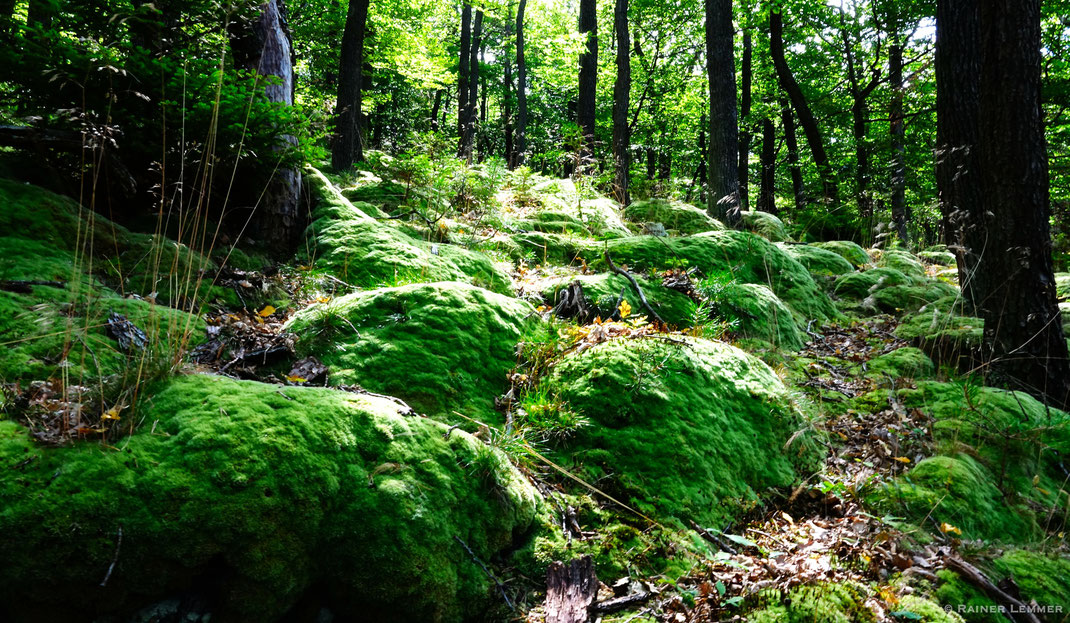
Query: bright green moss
pixel 915 608
pixel 848 250
pixel 965 599
pixel 765 225
pixel 940 258
pixel 384 195
pixel 907 362
pixel 900 298
pixel 604 291
pixel 364 252
pixel 760 314
pixel 599 214
pixel 1042 578
pixel 820 262
pixel 263 491
pixel 686 430
pixel 903 261
pixel 548 248
pixel 442 347
pixel 747 257
pixel 944 334
pixel 859 285
pixel 674 215
pixel 1062 285
pixel 814 603
pixel 554 222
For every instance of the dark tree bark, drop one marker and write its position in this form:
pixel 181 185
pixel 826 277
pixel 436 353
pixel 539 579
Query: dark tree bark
pixel 570 591
pixel 507 90
pixel 746 79
pixel 1024 344
pixel 788 120
pixel 464 64
pixel 621 95
pixel 651 162
pixel 767 196
pixel 267 50
pixel 482 84
pixel 585 109
pixel 859 124
pixel 897 130
pixel 521 87
pixel 468 127
pixel 347 147
pixel 958 100
pixel 802 110
pixel 435 107
pixel 723 199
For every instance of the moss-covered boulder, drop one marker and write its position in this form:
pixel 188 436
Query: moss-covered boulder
pixel 907 362
pixel 605 290
pixel 766 225
pixel 359 250
pixel 809 603
pixel 742 256
pixel 820 262
pixel 1000 473
pixel 939 258
pixel 848 250
pixel 442 347
pixel 554 223
pixel 1062 285
pixel 599 214
pixel 889 289
pixel 902 261
pixel 758 314
pixel 859 285
pixel 674 215
pixel 261 493
pixel 900 298
pixel 945 335
pixel 383 194
pixel 687 430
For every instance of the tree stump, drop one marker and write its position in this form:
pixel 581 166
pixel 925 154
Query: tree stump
pixel 570 591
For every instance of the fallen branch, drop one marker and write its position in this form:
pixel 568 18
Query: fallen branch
pixel 1013 607
pixel 19 286
pixel 490 575
pixel 623 603
pixel 115 559
pixel 635 284
pixel 712 538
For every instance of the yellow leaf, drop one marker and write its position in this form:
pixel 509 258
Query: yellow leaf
pixel 1036 480
pixel 946 528
pixel 112 413
pixel 625 310
pixel 267 311
pixel 295 379
pixel 323 299
pixel 902 459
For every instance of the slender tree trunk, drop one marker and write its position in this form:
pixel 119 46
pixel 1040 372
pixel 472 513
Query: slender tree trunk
pixel 464 65
pixel 767 198
pixel 958 100
pixel 1023 336
pixel 521 87
pixel 651 161
pixel 898 131
pixel 859 127
pixel 700 176
pixel 435 110
pixel 468 131
pixel 788 120
pixel 806 117
pixel 723 199
pixel 585 107
pixel 347 147
pixel 507 90
pixel 746 76
pixel 268 51
pixel 621 95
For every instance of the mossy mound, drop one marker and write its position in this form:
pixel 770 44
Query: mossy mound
pixel 810 603
pixel 906 298
pixel 850 251
pixel 263 492
pixel 889 289
pixel 765 225
pixel 359 250
pixel 939 258
pixel 546 248
pixel 946 336
pixel 745 257
pixel 760 315
pixel 604 291
pixel 383 194
pixel 442 347
pixel 907 362
pixel 965 599
pixel 1062 285
pixel 820 262
pixel 554 223
pixel 674 215
pixel 859 285
pixel 599 214
pixel 1042 578
pixel 903 261
pixel 1001 475
pixel 685 430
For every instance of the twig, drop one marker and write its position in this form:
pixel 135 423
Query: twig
pixel 621 603
pixel 635 284
pixel 1017 610
pixel 115 559
pixel 501 587
pixel 712 538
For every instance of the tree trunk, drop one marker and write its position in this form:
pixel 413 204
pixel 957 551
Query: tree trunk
pixel 621 95
pixel 507 90
pixel 435 109
pixel 767 198
pixel 268 51
pixel 1023 343
pixel 897 131
pixel 802 109
pixel 347 147
pixel 585 109
pixel 700 170
pixel 468 128
pixel 797 190
pixel 464 64
pixel 859 121
pixel 958 97
pixel 746 76
pixel 723 199
pixel 521 87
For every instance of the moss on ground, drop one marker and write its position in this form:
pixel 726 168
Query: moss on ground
pixel 385 195
pixel 820 262
pixel 760 315
pixel 674 215
pixel 945 335
pixel 688 430
pixel 965 599
pixel 903 261
pixel 898 285
pixel 554 223
pixel 939 258
pixel 766 225
pixel 361 251
pixel 907 362
pixel 848 250
pixel 442 347
pixel 814 603
pixel 263 492
pixel 1041 577
pixel 604 291
pixel 599 214
pixel 859 285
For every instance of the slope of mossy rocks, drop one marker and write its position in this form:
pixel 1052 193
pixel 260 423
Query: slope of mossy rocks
pixel 850 251
pixel 385 195
pixel 947 336
pixel 676 216
pixel 553 223
pixel 599 214
pixel 442 347
pixel 259 493
pixel 820 262
pixel 759 315
pixel 766 225
pixel 999 473
pixel 743 256
pixel 1041 577
pixel 604 291
pixel 903 261
pixel 359 250
pixel 898 285
pixel 687 428
pixel 842 602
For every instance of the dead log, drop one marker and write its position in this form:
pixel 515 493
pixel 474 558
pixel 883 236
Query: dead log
pixel 623 603
pixel 570 591
pixel 571 303
pixel 1014 607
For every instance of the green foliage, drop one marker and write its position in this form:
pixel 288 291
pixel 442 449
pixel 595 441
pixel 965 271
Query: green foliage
pixel 826 602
